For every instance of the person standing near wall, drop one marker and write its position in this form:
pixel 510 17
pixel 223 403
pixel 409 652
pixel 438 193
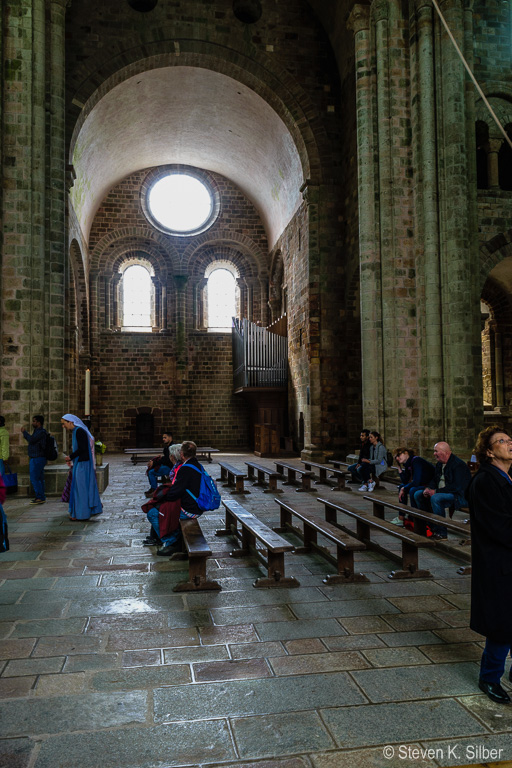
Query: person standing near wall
pixel 4 445
pixel 490 505
pixel 36 453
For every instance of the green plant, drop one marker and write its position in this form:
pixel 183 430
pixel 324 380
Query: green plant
pixel 99 447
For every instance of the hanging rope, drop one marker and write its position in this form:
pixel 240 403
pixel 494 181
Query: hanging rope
pixel 470 73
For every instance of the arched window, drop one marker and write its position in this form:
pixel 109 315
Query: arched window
pixel 137 298
pixel 221 298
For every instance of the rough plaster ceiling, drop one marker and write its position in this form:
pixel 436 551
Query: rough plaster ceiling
pixel 194 117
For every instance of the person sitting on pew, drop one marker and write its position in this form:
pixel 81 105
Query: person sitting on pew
pixel 446 489
pixel 364 453
pixel 160 465
pixel 155 515
pixel 415 473
pixel 375 465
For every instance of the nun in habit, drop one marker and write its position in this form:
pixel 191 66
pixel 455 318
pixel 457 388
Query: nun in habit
pixel 84 499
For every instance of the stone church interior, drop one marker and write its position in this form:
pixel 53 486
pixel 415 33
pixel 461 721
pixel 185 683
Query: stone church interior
pixel 263 224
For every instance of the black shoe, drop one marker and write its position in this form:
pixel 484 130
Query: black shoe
pixel 168 551
pixel 148 494
pixel 353 482
pixel 150 542
pixel 495 692
pixel 439 537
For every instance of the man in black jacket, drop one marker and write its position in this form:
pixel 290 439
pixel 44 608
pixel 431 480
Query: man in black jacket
pixel 186 487
pixel 36 452
pixel 364 453
pixel 448 487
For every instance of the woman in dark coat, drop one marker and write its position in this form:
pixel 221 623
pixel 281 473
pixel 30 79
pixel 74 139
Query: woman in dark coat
pixel 490 504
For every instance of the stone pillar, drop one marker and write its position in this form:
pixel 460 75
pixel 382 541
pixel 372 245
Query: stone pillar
pixel 498 370
pixel 369 250
pixel 492 163
pixel 427 234
pixel 459 251
pixel 181 284
pixel 116 303
pixel 157 307
pixel 163 303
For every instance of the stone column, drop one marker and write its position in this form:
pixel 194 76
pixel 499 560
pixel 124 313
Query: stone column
pixel 369 249
pixel 492 163
pixel 459 252
pixel 427 234
pixel 156 308
pixel 181 284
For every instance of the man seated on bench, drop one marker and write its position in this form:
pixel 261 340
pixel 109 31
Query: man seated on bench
pixel 185 487
pixel 364 453
pixel 415 474
pixel 446 489
pixel 160 465
pixel 156 513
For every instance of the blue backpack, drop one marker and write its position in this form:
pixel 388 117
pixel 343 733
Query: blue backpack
pixel 4 541
pixel 209 497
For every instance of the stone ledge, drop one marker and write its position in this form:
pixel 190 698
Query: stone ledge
pixel 55 478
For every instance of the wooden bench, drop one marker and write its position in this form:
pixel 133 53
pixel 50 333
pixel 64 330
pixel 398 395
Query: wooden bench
pixel 261 471
pixel 337 474
pixel 420 521
pixel 342 466
pixel 230 475
pixel 365 523
pixel 252 531
pixel 205 453
pixel 197 549
pixel 313 525
pixel 291 472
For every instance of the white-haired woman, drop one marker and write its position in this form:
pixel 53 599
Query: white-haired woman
pixel 84 499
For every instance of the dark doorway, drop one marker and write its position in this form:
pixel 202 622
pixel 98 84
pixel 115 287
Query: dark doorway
pixel 144 430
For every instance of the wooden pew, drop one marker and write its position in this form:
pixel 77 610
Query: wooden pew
pixel 337 474
pixel 366 523
pixel 420 521
pixel 197 549
pixel 261 471
pixel 253 531
pixel 291 472
pixel 342 466
pixel 230 475
pixel 312 526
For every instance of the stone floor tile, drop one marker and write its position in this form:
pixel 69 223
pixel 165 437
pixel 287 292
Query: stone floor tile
pixel 266 736
pixel 253 597
pixel 496 717
pixel 66 644
pixel 54 627
pixel 335 661
pixel 91 661
pixel 341 608
pixel 197 653
pixel 20 573
pixel 126 622
pixel 408 587
pixel 178 744
pixel 362 625
pixel 20 556
pixel 205 672
pixel 395 657
pixel 425 682
pixel 421 603
pixel 368 758
pixel 16 648
pixel 308 645
pixel 182 619
pixel 241 633
pixel 255 697
pixel 16 753
pixel 394 639
pixel 452 652
pixel 60 685
pixel 50 609
pixel 279 762
pixel 294 630
pixel 61 572
pixel 30 584
pixel 351 642
pixel 18 667
pixel 460 601
pixel 406 622
pixel 142 658
pixel 399 723
pixel 140 677
pixel 457 584
pixel 454 618
pixel 13 687
pixel 484 748
pixel 462 635
pixel 164 638
pixel 271 613
pixel 89 711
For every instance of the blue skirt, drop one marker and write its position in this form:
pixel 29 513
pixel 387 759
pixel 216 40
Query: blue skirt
pixel 84 500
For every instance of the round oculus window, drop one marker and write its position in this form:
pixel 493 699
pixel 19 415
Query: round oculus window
pixel 180 203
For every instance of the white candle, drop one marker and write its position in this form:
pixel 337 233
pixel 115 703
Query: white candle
pixel 87 408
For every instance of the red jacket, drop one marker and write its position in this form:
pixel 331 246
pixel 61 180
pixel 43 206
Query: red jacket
pixel 2 490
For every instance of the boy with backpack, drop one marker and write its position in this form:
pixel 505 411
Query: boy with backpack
pixel 37 455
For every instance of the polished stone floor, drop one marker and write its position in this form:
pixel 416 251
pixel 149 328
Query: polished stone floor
pixel 103 666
